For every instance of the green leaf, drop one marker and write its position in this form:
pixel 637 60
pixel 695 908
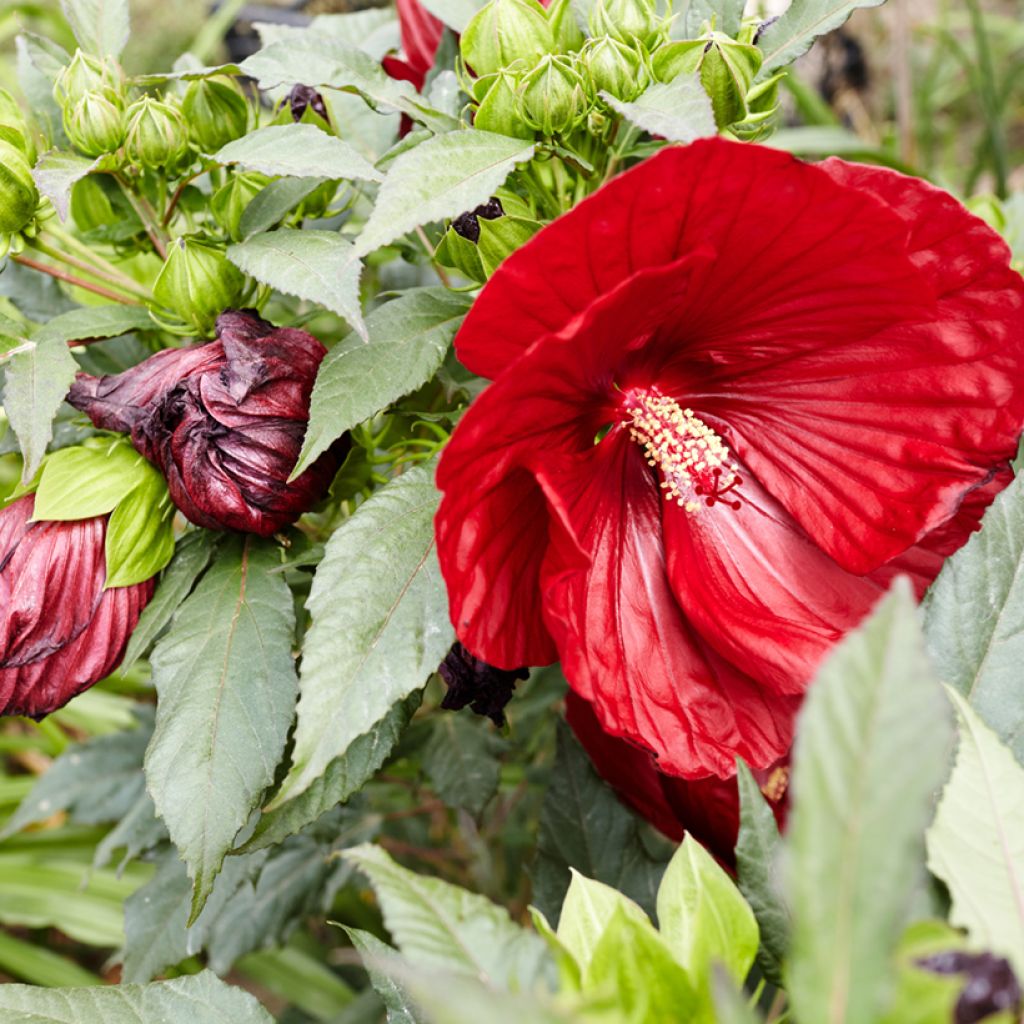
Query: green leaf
pixel 973 616
pixel 375 954
pixel 91 322
pixel 344 776
pixel 679 111
pixel 586 914
pixel 298 151
pixel 757 868
pixel 871 750
pixel 461 763
pixel 273 203
pixel 140 532
pixel 199 997
pixel 25 961
pixel 100 26
pixel 56 174
pixel 191 557
pixel 726 14
pixel 731 1006
pixel 436 924
pixel 138 831
pixel 702 917
pixel 408 339
pixel 636 969
pixel 37 381
pixel 440 178
pixel 226 684
pixel 81 482
pixel 316 265
pixel 584 826
pixel 976 844
pixel 802 22
pixel 380 624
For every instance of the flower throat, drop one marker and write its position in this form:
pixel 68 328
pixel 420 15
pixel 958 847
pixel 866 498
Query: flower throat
pixel 694 461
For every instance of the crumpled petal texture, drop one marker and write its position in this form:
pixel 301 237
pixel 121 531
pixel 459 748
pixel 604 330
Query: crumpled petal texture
pixel 60 631
pixel 852 342
pixel 224 422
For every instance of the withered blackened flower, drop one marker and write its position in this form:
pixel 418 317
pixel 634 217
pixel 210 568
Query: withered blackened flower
pixel 484 688
pixel 991 986
pixel 301 98
pixel 223 421
pixel 60 631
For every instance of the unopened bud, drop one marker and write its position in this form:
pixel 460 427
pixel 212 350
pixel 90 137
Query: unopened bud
pixel 197 283
pixel 94 125
pixel 615 68
pixel 86 74
pixel 18 194
pixel 552 97
pixel 564 28
pixel 157 135
pixel 628 21
pixel 217 112
pixel 477 241
pixel 506 31
pixel 499 109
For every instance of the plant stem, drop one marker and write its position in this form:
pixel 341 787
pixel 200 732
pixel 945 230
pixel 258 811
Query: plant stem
pixel 113 273
pixel 147 215
pixel 989 97
pixel 438 269
pixel 63 275
pixel 118 280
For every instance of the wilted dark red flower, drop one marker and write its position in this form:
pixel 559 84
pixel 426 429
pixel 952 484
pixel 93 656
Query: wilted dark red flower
pixel 223 421
pixel 301 98
pixel 990 987
pixel 708 808
pixel 421 36
pixel 475 684
pixel 60 631
pixel 734 394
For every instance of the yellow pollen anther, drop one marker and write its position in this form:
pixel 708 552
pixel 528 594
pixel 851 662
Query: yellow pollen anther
pixel 693 459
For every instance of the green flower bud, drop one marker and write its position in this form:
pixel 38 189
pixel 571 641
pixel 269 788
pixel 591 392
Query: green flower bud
pixel 564 28
pixel 499 110
pixel 217 112
pixel 157 135
pixel 197 283
pixel 628 21
pixel 94 125
pixel 87 74
pixel 552 97
pixel 230 201
pixel 18 194
pixel 727 71
pixel 615 68
pixel 479 240
pixel 506 31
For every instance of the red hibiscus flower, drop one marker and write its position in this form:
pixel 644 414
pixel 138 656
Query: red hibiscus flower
pixel 421 36
pixel 60 631
pixel 708 809
pixel 734 394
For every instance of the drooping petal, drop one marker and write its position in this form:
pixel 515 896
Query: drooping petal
pixel 624 642
pixel 421 35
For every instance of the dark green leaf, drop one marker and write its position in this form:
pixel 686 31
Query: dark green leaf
pixel 272 204
pixel 226 682
pixel 91 322
pixel 872 748
pixel 376 953
pixel 408 339
pixel 584 826
pixel 461 763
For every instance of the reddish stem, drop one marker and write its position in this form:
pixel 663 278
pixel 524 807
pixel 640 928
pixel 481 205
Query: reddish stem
pixel 63 275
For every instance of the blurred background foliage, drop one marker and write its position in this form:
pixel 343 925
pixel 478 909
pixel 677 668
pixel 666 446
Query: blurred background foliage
pixel 934 87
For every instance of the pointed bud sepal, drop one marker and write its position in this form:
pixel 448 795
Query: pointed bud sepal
pixel 86 74
pixel 479 240
pixel 95 125
pixel 506 31
pixel 232 199
pixel 499 110
pixel 565 30
pixel 614 68
pixel 157 136
pixel 552 98
pixel 628 21
pixel 197 283
pixel 217 112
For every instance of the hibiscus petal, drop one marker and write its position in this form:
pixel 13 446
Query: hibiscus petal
pixel 624 642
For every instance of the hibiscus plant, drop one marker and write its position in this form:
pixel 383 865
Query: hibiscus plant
pixel 520 516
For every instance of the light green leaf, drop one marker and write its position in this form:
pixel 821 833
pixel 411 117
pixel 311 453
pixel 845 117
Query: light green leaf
pixel 586 914
pixel 800 24
pixel 191 557
pixel 583 825
pixel 140 533
pixel 343 777
pixel 726 14
pixel 974 618
pixel 188 1000
pixel 702 917
pixel 320 266
pixel 679 111
pixel 976 845
pixel 226 684
pixel 634 968
pixel 81 482
pixel 56 173
pixel 380 624
pixel 757 868
pixel 37 381
pixel 436 924
pixel 461 763
pixel 408 339
pixel 95 322
pixel 298 151
pixel 100 26
pixel 872 748
pixel 442 177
